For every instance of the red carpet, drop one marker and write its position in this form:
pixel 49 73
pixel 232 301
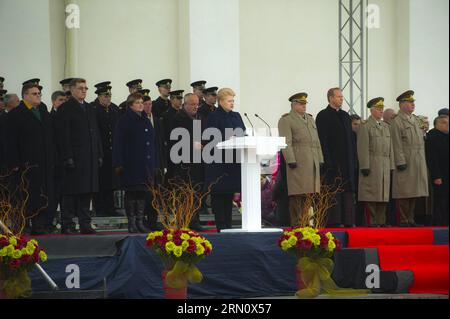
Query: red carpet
pixel 373 237
pixel 429 263
pixel 407 249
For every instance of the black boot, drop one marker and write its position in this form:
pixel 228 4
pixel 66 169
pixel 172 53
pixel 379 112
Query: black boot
pixel 140 216
pixel 130 208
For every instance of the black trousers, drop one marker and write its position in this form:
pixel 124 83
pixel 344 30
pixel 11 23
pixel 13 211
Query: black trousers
pixel 76 205
pixel 440 208
pixel 103 203
pixel 343 211
pixel 57 199
pixel 222 206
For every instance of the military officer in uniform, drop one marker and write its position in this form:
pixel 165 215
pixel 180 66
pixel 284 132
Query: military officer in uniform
pixel 410 179
pixel 133 87
pixel 209 105
pixel 176 101
pixel 197 88
pixel 162 103
pixel 65 85
pixel 107 117
pixel 303 155
pixel 376 160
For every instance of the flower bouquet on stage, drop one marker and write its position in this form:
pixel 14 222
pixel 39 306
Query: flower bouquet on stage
pixel 314 248
pixel 180 248
pixel 18 255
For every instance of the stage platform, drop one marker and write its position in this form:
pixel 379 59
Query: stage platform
pixel 247 265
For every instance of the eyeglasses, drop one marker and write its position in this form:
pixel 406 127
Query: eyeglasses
pixel 36 93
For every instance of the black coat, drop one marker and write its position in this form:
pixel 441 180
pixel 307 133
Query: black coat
pixel 107 119
pixel 185 169
pixel 122 107
pixel 29 143
pixel 436 145
pixel 230 173
pixel 56 129
pixel 161 149
pixel 160 106
pixel 167 120
pixel 338 146
pixel 204 110
pixel 79 140
pixel 135 150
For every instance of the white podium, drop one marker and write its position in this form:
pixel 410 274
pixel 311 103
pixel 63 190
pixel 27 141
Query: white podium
pixel 253 149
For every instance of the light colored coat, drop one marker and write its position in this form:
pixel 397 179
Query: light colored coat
pixel 303 148
pixel 375 152
pixel 409 149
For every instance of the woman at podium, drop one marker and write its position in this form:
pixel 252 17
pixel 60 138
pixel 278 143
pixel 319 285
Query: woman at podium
pixel 223 172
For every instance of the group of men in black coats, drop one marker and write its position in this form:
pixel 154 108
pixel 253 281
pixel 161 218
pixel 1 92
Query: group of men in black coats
pixel 66 155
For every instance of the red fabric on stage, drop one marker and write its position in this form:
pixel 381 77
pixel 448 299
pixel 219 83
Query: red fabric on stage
pixel 372 237
pixel 429 263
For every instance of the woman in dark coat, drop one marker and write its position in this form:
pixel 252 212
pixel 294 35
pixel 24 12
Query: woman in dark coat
pixel 135 159
pixel 227 175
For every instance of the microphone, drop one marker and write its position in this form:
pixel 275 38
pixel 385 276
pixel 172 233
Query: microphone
pixel 251 124
pixel 270 133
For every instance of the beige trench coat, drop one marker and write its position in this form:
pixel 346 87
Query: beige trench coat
pixel 409 149
pixel 375 152
pixel 303 148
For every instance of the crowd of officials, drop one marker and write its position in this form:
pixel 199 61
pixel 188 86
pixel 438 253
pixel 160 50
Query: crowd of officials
pixel 80 151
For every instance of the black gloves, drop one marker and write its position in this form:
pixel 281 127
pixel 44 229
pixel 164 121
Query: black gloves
pixel 402 167
pixel 365 172
pixel 70 164
pixel 292 165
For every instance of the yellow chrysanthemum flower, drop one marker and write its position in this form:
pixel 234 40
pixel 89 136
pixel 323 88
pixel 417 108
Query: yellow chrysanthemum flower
pixel 13 241
pixel 331 245
pixel 285 245
pixel 169 237
pixel 184 245
pixel 170 246
pixel 43 255
pixel 185 236
pixel 200 250
pixel 292 240
pixel 3 252
pixel 17 254
pixel 178 251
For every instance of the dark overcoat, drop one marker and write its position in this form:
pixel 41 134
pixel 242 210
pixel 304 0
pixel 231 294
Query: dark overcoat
pixel 79 140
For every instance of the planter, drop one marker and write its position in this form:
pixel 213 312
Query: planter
pixel 173 293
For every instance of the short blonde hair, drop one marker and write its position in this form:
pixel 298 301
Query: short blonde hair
pixel 225 92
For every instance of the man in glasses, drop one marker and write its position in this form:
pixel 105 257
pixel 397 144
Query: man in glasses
pixel 30 151
pixel 82 155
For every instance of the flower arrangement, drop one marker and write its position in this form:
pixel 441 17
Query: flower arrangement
pixel 308 241
pixel 180 250
pixel 18 255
